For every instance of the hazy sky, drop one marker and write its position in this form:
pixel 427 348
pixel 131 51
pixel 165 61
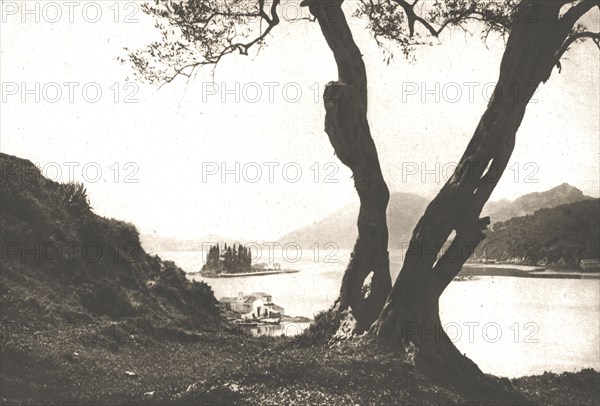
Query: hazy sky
pixel 174 141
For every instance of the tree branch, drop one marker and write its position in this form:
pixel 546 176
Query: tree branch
pixel 409 10
pixel 581 35
pixel 577 11
pixel 198 28
pixel 412 17
pixel 397 20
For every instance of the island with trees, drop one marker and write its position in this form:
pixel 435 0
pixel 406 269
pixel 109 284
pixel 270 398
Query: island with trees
pixel 224 261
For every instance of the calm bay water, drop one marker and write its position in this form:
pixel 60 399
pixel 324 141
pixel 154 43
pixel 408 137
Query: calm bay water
pixel 508 326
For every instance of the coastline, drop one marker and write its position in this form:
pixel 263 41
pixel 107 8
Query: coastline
pixel 239 274
pixel 524 271
pixel 233 275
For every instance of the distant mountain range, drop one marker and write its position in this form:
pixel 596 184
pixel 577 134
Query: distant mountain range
pixel 504 209
pixel 405 209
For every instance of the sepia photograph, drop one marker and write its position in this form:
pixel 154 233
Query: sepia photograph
pixel 299 202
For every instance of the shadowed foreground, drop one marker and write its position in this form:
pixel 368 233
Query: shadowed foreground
pixel 174 367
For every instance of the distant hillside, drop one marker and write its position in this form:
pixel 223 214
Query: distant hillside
pixel 62 261
pixel 527 204
pixel 404 210
pixel 155 243
pixel 561 235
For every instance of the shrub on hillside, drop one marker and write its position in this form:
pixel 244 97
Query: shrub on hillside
pixel 193 297
pixel 107 301
pixel 322 329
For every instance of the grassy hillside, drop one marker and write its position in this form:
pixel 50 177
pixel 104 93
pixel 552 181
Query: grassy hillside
pixel 60 261
pixel 561 235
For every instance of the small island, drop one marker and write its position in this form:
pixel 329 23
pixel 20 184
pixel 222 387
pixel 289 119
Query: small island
pixel 228 261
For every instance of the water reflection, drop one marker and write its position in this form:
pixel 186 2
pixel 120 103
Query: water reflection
pixel 288 329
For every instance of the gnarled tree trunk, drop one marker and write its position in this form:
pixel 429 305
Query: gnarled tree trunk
pixel 348 130
pixel 410 318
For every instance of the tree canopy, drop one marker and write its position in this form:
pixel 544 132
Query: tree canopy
pixel 197 33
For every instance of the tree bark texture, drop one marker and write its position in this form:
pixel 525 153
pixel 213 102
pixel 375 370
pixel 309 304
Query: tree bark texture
pixel 348 130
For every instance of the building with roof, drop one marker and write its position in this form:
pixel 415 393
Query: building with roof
pixel 257 305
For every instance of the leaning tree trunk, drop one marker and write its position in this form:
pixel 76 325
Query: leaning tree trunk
pixel 348 130
pixel 410 318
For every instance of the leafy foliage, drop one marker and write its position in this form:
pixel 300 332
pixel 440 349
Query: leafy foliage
pixel 560 235
pixel 409 24
pixel 322 329
pixel 108 301
pixel 200 32
pixel 76 198
pixel 232 258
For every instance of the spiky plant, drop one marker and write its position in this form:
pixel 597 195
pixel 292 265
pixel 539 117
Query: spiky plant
pixel 75 197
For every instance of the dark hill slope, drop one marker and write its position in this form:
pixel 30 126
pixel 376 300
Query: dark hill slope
pixel 60 261
pixel 560 235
